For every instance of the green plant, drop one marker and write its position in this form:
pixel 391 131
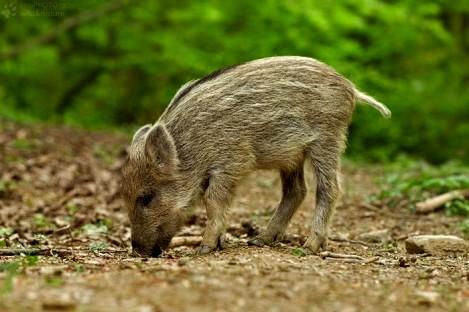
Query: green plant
pixel 13 268
pixel 464 227
pixel 72 209
pixel 79 268
pixel 6 231
pixel 54 281
pixel 41 221
pixel 23 144
pixel 458 207
pixel 299 252
pixel 98 246
pixel 94 230
pixel 408 182
pixel 414 181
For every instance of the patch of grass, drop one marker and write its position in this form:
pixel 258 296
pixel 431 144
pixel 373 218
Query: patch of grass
pixel 72 209
pixel 299 252
pixel 12 266
pixel 108 157
pixel 3 186
pixel 464 227
pixel 54 281
pixel 6 186
pixel 409 182
pixel 41 221
pixel 94 230
pixel 79 268
pixel 458 207
pixel 30 260
pixel 96 247
pixel 12 269
pixel 40 237
pixel 5 231
pixel 23 144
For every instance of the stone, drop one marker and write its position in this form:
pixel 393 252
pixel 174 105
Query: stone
pixel 377 236
pixel 427 297
pixel 435 244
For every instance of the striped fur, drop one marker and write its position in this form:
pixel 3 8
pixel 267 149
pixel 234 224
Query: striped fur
pixel 271 113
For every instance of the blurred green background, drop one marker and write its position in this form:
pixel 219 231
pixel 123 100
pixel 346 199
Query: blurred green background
pixel 118 63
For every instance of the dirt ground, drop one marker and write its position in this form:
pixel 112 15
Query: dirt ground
pixel 59 190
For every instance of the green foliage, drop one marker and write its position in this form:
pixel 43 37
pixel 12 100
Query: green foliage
pixel 408 182
pixel 5 231
pixel 79 268
pixel 464 226
pixel 41 221
pixel 299 252
pixel 54 281
pixel 13 268
pixel 94 230
pixel 98 246
pixel 458 207
pixel 30 260
pixel 123 67
pixel 23 144
pixel 9 266
pixel 415 181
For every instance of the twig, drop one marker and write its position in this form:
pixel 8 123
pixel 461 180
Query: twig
pixel 64 229
pixel 436 202
pixel 328 254
pixel 185 241
pixel 35 252
pixel 351 241
pixel 61 252
pixel 346 260
pixel 383 212
pixel 371 260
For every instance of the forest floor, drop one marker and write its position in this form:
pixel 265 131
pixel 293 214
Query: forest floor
pixel 59 190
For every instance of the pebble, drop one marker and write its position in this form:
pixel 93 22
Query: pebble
pixel 427 297
pixel 435 244
pixel 377 236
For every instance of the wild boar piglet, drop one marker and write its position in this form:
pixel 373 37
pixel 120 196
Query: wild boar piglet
pixel 272 113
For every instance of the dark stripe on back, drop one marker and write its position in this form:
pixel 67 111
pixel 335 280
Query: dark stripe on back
pixel 200 81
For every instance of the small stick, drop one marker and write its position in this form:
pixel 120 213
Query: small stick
pixel 436 202
pixel 328 254
pixel 371 260
pixel 62 230
pixel 385 213
pixel 34 251
pixel 185 241
pixel 351 241
pixel 50 251
pixel 346 260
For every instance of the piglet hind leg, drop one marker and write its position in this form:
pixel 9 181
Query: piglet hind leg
pixel 326 168
pixel 294 191
pixel 217 199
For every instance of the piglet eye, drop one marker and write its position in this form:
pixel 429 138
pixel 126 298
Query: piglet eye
pixel 145 199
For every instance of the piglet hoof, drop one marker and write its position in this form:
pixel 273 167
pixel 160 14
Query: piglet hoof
pixel 264 240
pixel 256 241
pixel 203 250
pixel 315 243
pixel 221 242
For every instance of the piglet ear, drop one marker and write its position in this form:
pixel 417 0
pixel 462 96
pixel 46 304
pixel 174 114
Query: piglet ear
pixel 140 133
pixel 160 148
